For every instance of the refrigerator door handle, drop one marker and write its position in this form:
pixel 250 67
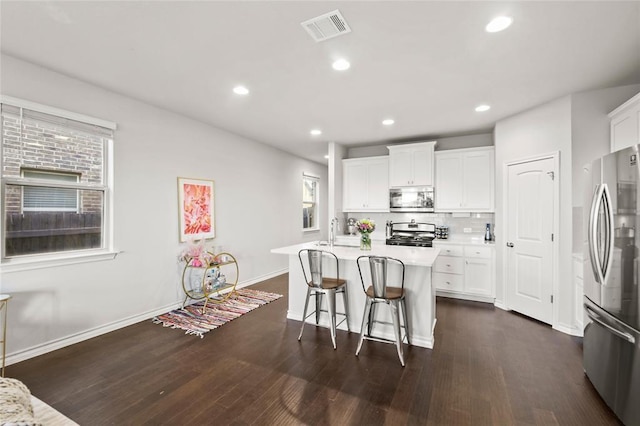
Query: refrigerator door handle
pixel 596 317
pixel 593 234
pixel 608 258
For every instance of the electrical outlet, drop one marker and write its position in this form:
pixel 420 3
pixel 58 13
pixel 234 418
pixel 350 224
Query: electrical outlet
pixel 467 230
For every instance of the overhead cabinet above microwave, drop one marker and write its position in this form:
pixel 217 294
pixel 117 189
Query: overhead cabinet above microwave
pixel 411 164
pixel 465 180
pixel 625 124
pixel 365 184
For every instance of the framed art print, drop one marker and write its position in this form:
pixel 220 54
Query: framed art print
pixel 196 209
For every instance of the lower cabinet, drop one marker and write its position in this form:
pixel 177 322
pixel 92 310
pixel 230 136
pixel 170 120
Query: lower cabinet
pixel 465 271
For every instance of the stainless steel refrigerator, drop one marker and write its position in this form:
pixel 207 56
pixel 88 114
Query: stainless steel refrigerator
pixel 611 344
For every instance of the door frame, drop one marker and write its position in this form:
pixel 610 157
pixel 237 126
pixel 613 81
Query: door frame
pixel 555 156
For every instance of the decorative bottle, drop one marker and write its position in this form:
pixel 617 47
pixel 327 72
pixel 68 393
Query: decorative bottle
pixel 487 233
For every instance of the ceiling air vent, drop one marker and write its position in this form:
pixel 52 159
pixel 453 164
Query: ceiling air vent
pixel 326 26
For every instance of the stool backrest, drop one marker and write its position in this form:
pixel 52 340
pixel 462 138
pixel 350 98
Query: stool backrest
pixel 378 267
pixel 315 260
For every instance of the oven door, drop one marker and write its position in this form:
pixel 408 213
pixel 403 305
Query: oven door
pixel 411 199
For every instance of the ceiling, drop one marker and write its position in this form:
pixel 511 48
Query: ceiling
pixel 426 64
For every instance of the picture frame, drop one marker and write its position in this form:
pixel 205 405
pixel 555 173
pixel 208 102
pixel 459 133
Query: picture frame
pixel 196 209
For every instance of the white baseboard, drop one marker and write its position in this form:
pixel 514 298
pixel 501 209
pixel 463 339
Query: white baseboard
pixel 262 278
pixel 473 298
pixel 501 305
pixel 71 339
pixel 567 329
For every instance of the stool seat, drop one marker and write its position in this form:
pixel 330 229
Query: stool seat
pixel 392 293
pixel 329 283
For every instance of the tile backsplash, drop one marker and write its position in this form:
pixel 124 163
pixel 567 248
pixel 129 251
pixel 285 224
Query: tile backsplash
pixel 456 222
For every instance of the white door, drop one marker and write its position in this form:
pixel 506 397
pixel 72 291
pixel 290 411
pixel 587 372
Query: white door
pixel 530 202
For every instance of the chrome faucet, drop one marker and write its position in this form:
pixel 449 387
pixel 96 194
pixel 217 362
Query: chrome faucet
pixel 335 225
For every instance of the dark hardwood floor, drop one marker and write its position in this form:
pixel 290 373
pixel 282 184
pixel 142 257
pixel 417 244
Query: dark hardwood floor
pixel 488 367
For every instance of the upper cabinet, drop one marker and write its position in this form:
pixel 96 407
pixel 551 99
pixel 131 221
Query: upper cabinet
pixel 411 164
pixel 625 124
pixel 365 184
pixel 465 180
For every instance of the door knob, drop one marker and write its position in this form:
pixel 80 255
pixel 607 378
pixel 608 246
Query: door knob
pixel 509 244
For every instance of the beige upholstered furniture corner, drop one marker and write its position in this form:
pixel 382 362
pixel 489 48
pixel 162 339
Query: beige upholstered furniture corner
pixel 19 407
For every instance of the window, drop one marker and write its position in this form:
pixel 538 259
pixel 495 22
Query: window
pixel 310 202
pixel 55 181
pixel 39 199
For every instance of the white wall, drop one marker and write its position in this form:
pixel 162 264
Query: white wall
pixel 539 131
pixel 578 127
pixel 590 135
pixel 257 207
pixel 336 153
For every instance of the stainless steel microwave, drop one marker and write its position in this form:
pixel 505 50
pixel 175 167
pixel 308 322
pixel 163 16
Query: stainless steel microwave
pixel 411 199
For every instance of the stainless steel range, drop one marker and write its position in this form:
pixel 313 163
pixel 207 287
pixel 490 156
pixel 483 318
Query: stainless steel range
pixel 412 233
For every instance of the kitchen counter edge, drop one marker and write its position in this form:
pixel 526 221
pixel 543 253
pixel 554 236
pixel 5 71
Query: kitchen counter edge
pixel 411 256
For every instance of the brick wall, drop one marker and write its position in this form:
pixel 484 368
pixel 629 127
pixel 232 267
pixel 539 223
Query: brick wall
pixel 40 149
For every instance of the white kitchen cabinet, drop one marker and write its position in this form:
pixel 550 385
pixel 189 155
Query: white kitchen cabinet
pixel 625 124
pixel 464 271
pixel 365 184
pixel 465 180
pixel 478 270
pixel 411 164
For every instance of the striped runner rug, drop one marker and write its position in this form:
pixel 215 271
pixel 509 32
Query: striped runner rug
pixel 194 321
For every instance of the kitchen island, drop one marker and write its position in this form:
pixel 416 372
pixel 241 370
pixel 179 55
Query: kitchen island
pixel 420 294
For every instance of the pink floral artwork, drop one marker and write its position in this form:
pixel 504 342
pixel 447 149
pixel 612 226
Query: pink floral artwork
pixel 196 203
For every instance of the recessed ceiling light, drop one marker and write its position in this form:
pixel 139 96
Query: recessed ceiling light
pixel 388 122
pixel 498 24
pixel 240 90
pixel 482 108
pixel 341 65
pixel 316 132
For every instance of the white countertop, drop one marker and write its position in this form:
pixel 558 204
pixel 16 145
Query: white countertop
pixel 417 256
pixel 470 239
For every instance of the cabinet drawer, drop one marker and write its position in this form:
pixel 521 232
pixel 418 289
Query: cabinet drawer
pixel 481 252
pixel 449 250
pixel 450 282
pixel 449 265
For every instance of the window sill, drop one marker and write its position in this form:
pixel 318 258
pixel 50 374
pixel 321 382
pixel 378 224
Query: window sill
pixel 50 261
pixel 311 230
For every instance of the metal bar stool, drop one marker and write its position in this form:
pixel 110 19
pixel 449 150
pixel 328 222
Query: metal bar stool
pixel 380 292
pixel 319 285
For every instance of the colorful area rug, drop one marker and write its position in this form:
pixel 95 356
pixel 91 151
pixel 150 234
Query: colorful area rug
pixel 194 321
